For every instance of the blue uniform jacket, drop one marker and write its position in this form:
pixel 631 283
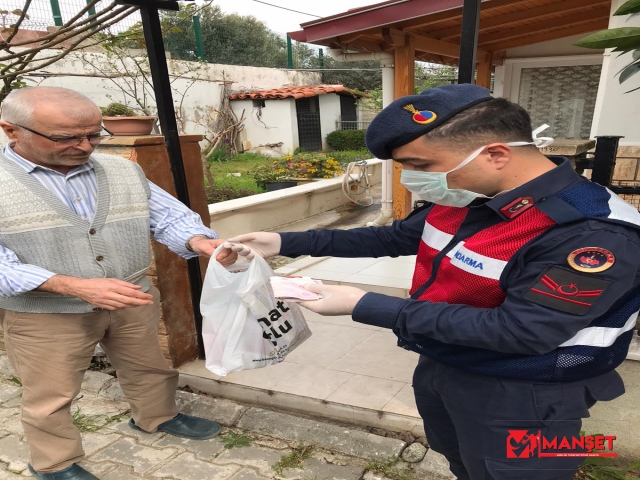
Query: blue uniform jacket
pixel 518 326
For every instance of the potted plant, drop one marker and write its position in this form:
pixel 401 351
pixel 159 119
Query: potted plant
pixel 122 120
pixel 272 176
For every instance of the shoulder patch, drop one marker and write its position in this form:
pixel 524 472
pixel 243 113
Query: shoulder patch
pixel 591 259
pixel 567 291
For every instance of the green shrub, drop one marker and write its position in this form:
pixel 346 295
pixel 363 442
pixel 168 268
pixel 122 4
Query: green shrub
pixel 227 192
pixel 117 110
pixel 347 139
pixel 348 156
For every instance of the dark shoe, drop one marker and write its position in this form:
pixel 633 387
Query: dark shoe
pixel 185 426
pixel 74 472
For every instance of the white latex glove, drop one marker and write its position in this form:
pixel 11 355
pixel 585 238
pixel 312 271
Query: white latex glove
pixel 265 244
pixel 337 299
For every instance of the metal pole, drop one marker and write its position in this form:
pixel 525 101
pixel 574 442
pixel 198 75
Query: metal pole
pixel 289 53
pixel 92 12
pixel 469 41
pixel 166 114
pixel 321 58
pixel 57 16
pixel 604 159
pixel 198 34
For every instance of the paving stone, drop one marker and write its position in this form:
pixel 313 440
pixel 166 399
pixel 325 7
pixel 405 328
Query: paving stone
pixel 92 442
pixel 247 474
pixel 5 367
pixel 142 438
pixel 184 398
pixel 10 421
pixel 7 475
pixel 225 412
pixel 378 476
pixel 14 402
pixel 3 433
pixel 98 469
pixel 187 467
pixel 95 381
pixel 435 465
pixel 100 408
pixel 313 468
pixel 262 459
pixel 121 473
pixel 9 392
pixel 414 453
pixel 113 392
pixel 14 452
pixel 332 437
pixel 140 457
pixel 203 449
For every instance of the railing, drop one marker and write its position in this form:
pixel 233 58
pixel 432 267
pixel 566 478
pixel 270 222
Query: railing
pixel 351 125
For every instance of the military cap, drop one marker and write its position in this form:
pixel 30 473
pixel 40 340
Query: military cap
pixel 409 117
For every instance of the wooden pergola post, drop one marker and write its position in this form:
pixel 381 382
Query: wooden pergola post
pixel 405 69
pixel 483 73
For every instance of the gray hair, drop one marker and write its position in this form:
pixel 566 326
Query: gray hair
pixel 19 105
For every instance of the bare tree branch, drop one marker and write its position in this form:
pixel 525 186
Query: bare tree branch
pixel 62 38
pixel 22 16
pixel 68 27
pixel 65 51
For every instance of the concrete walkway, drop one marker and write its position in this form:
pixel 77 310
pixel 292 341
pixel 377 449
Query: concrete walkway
pixel 256 444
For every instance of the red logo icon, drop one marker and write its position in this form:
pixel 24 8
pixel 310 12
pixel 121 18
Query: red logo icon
pixel 522 444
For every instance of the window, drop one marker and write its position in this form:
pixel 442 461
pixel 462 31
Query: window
pixel 259 104
pixel 558 91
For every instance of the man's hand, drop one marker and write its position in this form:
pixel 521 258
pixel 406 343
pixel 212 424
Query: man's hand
pixel 265 244
pixel 107 293
pixel 206 246
pixel 337 299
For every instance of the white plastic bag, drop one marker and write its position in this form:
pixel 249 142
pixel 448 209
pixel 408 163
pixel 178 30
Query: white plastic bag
pixel 244 326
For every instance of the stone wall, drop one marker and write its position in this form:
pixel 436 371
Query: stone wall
pixel 626 171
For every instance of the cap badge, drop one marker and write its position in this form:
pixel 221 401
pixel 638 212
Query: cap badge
pixel 591 259
pixel 423 117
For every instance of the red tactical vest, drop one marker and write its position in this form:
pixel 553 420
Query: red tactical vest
pixel 469 274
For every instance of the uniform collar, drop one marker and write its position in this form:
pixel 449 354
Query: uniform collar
pixel 29 166
pixel 511 203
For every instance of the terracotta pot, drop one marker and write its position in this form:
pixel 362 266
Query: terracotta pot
pixel 130 126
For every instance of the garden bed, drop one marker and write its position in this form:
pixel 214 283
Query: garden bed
pixel 232 187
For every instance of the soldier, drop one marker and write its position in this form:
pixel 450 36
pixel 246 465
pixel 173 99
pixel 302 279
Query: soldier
pixel 526 285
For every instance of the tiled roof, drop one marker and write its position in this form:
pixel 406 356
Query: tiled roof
pixel 299 91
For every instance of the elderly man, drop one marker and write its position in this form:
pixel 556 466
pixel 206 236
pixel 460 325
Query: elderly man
pixel 74 250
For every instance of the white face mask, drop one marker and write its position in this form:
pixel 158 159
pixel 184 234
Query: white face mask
pixel 432 186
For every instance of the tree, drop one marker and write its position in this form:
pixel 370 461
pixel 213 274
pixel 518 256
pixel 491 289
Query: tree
pixel 623 40
pixel 227 39
pixel 18 57
pixel 427 76
pixel 363 76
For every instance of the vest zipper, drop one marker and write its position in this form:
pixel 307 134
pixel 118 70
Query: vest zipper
pixel 418 293
pixel 435 266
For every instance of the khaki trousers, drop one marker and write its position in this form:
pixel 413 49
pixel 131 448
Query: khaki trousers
pixel 50 354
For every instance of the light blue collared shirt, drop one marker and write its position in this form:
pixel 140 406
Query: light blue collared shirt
pixel 172 223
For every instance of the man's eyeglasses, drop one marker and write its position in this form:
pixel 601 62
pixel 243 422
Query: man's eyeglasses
pixel 72 141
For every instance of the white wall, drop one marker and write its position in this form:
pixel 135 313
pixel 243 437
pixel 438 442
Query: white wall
pixel 552 48
pixel 200 96
pixel 329 113
pixel 276 124
pixel 617 112
pixel 270 210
